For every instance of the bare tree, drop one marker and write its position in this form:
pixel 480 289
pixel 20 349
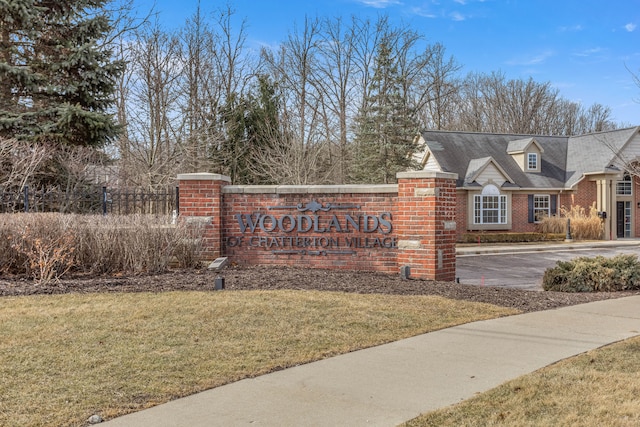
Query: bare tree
pixel 335 77
pixel 234 69
pixel 491 103
pixel 470 112
pixel 20 162
pixel 191 101
pixel 286 162
pixel 151 94
pixel 290 67
pixel 437 88
pixel 203 98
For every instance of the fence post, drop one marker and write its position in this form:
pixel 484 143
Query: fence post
pixel 177 200
pixel 104 201
pixel 26 199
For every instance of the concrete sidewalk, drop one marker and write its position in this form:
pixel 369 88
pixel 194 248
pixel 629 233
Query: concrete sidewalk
pixel 392 383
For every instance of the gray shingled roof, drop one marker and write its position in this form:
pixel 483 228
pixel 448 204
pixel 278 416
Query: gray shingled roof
pixel 594 153
pixel 455 150
pixel 564 163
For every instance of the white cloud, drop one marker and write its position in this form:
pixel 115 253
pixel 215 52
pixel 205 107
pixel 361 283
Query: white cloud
pixel 379 4
pixel 423 12
pixel 457 16
pixel 630 27
pixel 572 28
pixel 531 59
pixel 589 52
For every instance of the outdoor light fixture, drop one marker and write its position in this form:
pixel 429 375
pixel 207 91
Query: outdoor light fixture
pixel 405 272
pixel 219 283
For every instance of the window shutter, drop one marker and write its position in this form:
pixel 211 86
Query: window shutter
pixel 553 204
pixel 530 197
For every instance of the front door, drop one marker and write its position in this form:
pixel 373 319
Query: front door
pixel 623 219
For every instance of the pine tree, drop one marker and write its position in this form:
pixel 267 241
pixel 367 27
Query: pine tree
pixel 56 78
pixel 251 124
pixel 386 126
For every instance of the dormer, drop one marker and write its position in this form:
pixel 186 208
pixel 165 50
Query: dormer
pixel 527 153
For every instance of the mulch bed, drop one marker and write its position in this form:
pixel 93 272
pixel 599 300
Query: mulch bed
pixel 270 278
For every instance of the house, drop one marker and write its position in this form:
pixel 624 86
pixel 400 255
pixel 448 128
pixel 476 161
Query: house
pixel 509 182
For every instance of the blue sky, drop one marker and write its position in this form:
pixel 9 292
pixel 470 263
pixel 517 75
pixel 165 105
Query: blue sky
pixel 583 47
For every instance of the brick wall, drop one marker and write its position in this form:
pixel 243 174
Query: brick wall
pixel 585 194
pixel 201 202
pixel 382 228
pixel 461 213
pixel 520 214
pixel 426 224
pixel 281 220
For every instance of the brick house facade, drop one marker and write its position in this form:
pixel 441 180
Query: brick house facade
pixel 507 183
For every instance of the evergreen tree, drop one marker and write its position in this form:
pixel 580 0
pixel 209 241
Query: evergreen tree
pixel 251 126
pixel 56 78
pixel 386 126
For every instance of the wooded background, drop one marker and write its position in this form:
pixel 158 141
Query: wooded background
pixel 340 100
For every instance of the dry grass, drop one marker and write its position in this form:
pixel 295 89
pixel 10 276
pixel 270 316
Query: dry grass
pixel 584 225
pixel 67 357
pixel 598 388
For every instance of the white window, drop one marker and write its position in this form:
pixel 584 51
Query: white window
pixel 490 207
pixel 532 161
pixel 541 206
pixel 623 187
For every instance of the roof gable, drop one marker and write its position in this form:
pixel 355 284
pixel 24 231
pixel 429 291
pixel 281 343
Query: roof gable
pixel 484 166
pixel 430 163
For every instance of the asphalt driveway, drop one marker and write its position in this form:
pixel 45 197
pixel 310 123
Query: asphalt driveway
pixel 522 266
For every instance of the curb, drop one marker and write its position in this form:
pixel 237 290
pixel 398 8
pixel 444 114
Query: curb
pixel 526 247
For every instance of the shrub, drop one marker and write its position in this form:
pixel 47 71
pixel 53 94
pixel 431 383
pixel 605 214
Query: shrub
pixel 133 243
pixel 189 244
pixel 584 226
pixel 494 237
pixel 597 274
pixel 46 246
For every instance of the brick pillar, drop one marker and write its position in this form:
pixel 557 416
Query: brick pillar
pixel 425 224
pixel 201 203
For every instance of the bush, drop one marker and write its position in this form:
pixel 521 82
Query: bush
pixel 43 246
pixel 598 274
pixel 494 237
pixel 584 226
pixel 48 245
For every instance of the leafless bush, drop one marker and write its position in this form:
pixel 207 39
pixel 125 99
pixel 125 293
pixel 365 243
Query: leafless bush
pixel 46 246
pixel 135 243
pixel 189 244
pixel 11 260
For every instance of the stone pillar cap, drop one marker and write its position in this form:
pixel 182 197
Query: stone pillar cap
pixel 203 176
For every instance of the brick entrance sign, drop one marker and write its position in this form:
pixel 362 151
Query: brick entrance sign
pixel 357 227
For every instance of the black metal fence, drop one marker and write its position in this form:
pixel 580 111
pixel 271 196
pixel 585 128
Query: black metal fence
pixel 94 200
